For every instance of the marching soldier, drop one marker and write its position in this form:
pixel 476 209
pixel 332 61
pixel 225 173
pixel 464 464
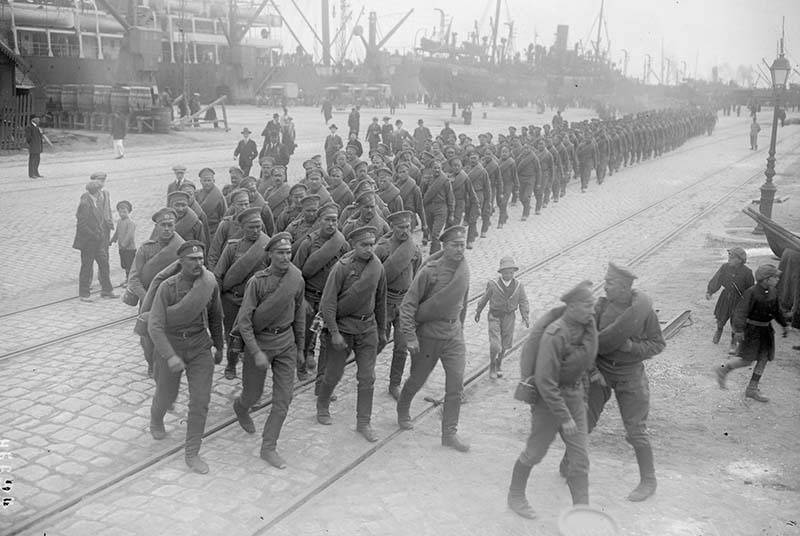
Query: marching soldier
pixel 241 258
pixel 401 258
pixel 479 180
pixel 367 215
pixel 305 223
pixel 152 256
pixel 187 224
pixel 410 194
pixel 229 226
pixel 353 307
pixel 559 351
pixel 509 183
pixel 315 258
pixel 339 191
pixel 388 192
pixel 271 322
pixel 211 200
pixel 431 318
pixel 296 193
pixel 629 333
pixel 185 308
pixel 439 203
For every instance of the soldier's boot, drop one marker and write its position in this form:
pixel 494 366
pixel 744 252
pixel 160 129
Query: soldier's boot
pixel 579 489
pixel 404 410
pixel 734 347
pixel 647 475
pixel 717 336
pixel 302 371
pixel 243 416
pixel 311 363
pixel 271 456
pixel 492 365
pixel 364 414
pixel 753 392
pixel 323 404
pixel 230 368
pixel 517 500
pixel 563 467
pixel 498 364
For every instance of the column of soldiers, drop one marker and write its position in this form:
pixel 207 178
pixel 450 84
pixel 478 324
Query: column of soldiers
pixel 331 263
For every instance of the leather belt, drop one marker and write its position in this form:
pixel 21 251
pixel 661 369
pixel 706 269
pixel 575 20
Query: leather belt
pixel 276 331
pixel 758 323
pixel 317 293
pixel 362 317
pixel 185 334
pixel 396 291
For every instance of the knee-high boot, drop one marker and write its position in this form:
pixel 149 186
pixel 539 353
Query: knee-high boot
pixel 516 491
pixel 647 475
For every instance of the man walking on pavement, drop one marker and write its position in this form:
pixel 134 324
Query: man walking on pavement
pixel 561 348
pixel 241 258
pixel 271 322
pixel 246 151
pixel 92 240
pixel 185 309
pixel 432 318
pixel 401 258
pixel 629 333
pixel 353 308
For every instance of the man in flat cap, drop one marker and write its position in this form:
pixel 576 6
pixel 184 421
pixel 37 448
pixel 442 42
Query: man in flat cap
pixel 315 257
pixel 241 258
pixel 92 240
pixel 432 318
pixel 211 200
pixel 439 203
pixel 305 223
pixel 560 349
pixel 333 144
pixel 271 323
pixel 229 226
pixel 401 258
pixel 752 326
pixel 366 216
pixel 353 308
pixel 292 210
pixel 187 224
pixel 629 333
pixel 246 151
pixel 151 258
pixel 180 174
pixel 183 338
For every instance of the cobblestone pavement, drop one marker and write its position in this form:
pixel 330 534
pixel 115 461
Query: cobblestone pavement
pixel 79 412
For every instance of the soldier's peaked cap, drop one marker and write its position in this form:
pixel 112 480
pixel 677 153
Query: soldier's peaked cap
pixel 309 200
pixel 328 208
pixel 400 217
pixel 163 214
pixel 314 171
pixel 297 187
pixel 191 248
pixel 249 214
pixel 179 194
pixel 281 240
pixel 456 232
pixel 365 196
pixel 362 232
pixel 188 184
pixel 239 193
pixel 582 292
pixel 620 272
pixel 207 171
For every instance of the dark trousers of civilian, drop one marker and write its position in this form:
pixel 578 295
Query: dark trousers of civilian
pixel 89 256
pixel 33 164
pixel 451 352
pixel 282 363
pixel 196 355
pixel 364 346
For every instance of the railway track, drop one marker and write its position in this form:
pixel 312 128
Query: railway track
pixel 121 477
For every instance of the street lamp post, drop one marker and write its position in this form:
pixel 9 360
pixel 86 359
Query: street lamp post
pixel 779 70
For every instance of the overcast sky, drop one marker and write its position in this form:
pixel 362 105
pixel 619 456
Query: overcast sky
pixel 703 33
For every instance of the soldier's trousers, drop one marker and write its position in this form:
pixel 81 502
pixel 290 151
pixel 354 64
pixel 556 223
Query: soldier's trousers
pixel 148 348
pixel 586 174
pixel 399 348
pixel 547 187
pixel 502 201
pixel 196 355
pixel 459 212
pixel 555 187
pixel 282 363
pixel 364 346
pixel 632 391
pixel 545 426
pixel 230 309
pixel 436 219
pixel 525 191
pixel 602 165
pixel 451 352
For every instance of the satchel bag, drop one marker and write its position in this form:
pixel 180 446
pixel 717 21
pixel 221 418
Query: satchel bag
pixel 130 298
pixel 527 391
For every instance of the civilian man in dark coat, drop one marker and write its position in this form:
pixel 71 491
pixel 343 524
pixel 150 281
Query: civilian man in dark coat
pixel 246 150
pixel 34 138
pixel 91 239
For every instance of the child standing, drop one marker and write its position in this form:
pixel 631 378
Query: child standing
pixel 125 236
pixel 504 295
pixel 734 278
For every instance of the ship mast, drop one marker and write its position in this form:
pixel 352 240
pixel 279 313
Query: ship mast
pixel 599 29
pixel 495 27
